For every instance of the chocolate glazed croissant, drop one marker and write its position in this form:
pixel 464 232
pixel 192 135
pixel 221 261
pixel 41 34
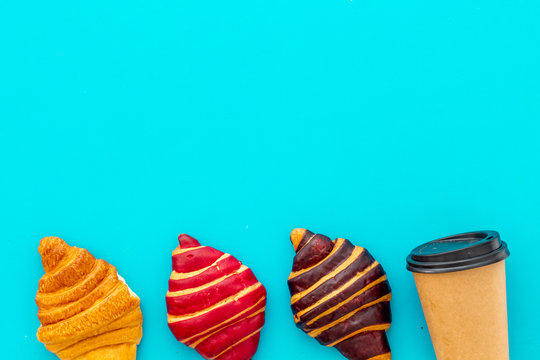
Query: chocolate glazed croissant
pixel 214 303
pixel 87 312
pixel 340 296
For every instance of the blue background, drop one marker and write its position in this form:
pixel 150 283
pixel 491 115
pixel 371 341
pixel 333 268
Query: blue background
pixel 390 123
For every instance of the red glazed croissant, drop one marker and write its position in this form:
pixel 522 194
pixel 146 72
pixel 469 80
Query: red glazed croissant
pixel 340 296
pixel 214 303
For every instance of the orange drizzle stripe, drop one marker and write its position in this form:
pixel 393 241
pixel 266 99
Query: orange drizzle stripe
pixel 235 322
pixel 367 328
pixel 177 276
pixel 359 292
pixel 386 356
pixel 316 332
pixel 176 318
pixel 208 284
pixel 307 242
pixel 179 250
pixel 337 291
pixel 229 319
pixel 236 343
pixel 338 244
pixel 355 254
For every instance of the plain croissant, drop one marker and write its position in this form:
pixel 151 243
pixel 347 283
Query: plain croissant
pixel 214 303
pixel 86 310
pixel 340 296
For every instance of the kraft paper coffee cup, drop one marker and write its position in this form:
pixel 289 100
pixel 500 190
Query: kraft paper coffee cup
pixel 461 283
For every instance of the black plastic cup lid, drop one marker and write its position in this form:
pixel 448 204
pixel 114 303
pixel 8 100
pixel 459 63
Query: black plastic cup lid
pixel 458 252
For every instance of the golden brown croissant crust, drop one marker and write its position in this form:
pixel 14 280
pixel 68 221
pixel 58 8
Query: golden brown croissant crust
pixel 86 310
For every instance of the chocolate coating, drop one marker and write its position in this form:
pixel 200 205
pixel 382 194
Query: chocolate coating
pixel 340 296
pixel 365 345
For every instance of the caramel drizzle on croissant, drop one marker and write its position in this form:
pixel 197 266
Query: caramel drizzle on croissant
pixel 340 296
pixel 86 310
pixel 214 303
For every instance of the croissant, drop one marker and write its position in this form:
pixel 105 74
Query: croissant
pixel 340 296
pixel 86 310
pixel 214 303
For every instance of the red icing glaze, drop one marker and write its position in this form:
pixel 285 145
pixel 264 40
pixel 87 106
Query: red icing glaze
pixel 187 241
pixel 192 326
pixel 221 268
pixel 244 350
pixel 251 311
pixel 229 336
pixel 200 300
pixel 195 259
pixel 219 309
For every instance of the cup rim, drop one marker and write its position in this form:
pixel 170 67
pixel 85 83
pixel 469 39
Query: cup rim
pixel 458 252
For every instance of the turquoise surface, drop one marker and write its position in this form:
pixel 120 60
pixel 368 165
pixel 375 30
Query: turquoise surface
pixel 391 123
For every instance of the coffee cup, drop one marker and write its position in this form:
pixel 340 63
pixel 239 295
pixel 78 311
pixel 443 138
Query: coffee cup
pixel 461 283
